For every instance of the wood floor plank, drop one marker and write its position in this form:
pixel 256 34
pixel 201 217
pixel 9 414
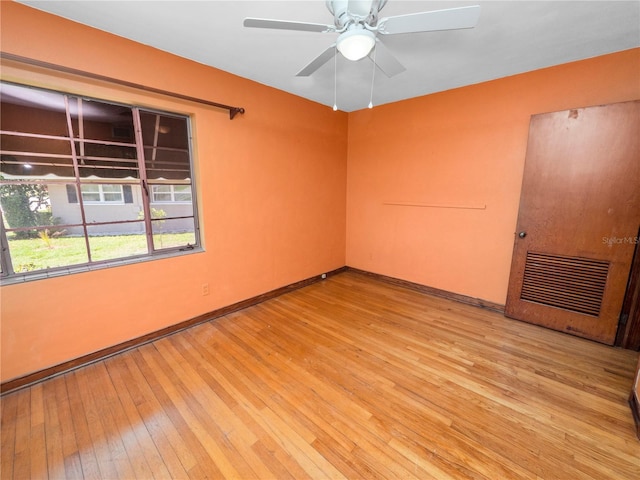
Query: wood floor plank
pixel 37 448
pixel 8 426
pixel 88 460
pixel 22 461
pixel 245 407
pixel 144 447
pixel 237 427
pixel 183 440
pixel 274 409
pixel 352 378
pixel 53 431
pixel 175 453
pixel 113 419
pixel 109 450
pixel 315 415
pixel 271 462
pixel 72 461
pixel 229 432
pixel 186 413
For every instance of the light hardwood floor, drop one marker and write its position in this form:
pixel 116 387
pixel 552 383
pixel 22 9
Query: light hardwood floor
pixel 348 378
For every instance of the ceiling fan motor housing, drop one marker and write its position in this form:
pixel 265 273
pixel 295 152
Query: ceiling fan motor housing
pixel 350 12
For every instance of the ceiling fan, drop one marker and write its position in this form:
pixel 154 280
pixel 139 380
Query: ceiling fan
pixel 359 28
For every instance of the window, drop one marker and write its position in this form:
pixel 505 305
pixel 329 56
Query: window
pixel 100 193
pixel 78 178
pixel 171 193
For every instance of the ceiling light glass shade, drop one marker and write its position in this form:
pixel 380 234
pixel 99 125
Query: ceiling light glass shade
pixel 356 44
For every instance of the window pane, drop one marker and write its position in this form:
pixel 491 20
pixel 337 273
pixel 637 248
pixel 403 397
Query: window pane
pixel 95 120
pixel 105 142
pixel 161 197
pixel 110 188
pixel 112 193
pixel 23 143
pixel 90 193
pixel 110 246
pixel 91 197
pixel 27 112
pixel 162 130
pixel 173 233
pixel 104 213
pixel 30 110
pixel 24 156
pixel 45 248
pixel 160 193
pixel 161 188
pixel 108 151
pixel 25 205
pixel 23 165
pixel 65 208
pixel 167 165
pixel 107 161
pixel 174 210
pixel 182 193
pixel 166 146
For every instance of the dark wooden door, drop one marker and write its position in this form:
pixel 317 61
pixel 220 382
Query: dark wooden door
pixel 578 220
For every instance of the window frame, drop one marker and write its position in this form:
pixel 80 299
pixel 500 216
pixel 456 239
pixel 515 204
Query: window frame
pixel 7 273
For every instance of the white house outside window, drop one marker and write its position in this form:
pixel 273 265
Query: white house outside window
pixel 78 174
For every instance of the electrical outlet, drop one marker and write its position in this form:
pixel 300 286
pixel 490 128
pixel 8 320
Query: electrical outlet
pixel 205 289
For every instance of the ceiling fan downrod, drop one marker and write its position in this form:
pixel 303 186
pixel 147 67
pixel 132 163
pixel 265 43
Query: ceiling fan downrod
pixel 355 12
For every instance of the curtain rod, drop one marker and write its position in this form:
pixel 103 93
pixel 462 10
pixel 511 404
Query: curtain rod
pixel 233 111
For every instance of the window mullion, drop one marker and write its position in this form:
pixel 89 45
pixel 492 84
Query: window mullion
pixel 76 169
pixel 137 124
pixel 5 257
pixel 156 133
pixel 81 129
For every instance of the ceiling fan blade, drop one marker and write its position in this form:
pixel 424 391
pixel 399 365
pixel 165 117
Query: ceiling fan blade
pixel 317 62
pixel 385 60
pixel 448 19
pixel 287 25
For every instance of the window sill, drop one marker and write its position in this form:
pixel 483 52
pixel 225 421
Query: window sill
pixel 73 269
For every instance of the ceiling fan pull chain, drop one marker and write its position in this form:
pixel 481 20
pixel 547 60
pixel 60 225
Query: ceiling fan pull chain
pixel 335 80
pixel 373 75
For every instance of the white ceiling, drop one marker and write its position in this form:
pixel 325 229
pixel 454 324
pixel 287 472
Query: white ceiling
pixel 511 37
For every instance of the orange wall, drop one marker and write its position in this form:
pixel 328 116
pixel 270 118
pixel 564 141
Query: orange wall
pixel 460 148
pixel 271 190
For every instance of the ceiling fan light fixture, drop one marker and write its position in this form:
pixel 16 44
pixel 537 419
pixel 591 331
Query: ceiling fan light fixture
pixel 356 43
